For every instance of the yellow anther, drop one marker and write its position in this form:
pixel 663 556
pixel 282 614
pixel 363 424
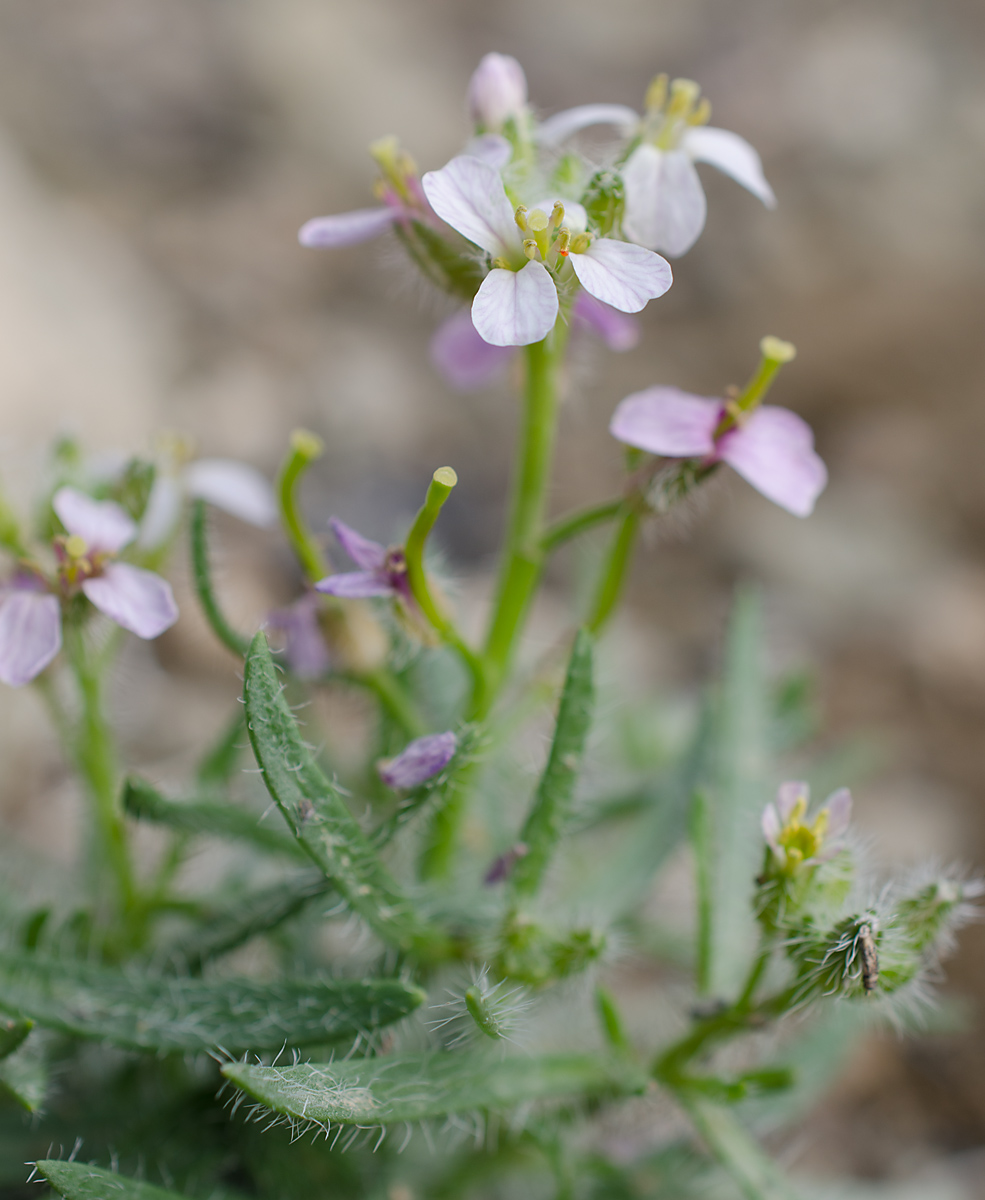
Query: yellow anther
pixel 702 114
pixel 656 94
pixel 684 95
pixel 776 350
pixel 557 214
pixel 520 216
pixel 530 248
pixel 501 264
pixel 537 220
pixel 75 546
pixel 580 243
pixel 563 240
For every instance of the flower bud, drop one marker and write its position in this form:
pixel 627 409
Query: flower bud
pixel 497 92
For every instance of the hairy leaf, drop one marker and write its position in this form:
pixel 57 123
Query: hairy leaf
pixel 79 1181
pixel 24 1074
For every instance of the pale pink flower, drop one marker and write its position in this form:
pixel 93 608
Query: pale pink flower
pixel 382 571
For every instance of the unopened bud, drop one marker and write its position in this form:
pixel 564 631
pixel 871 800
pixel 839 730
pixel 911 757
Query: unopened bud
pixel 497 92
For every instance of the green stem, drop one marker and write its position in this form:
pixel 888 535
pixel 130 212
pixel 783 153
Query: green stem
pixel 615 569
pixel 570 526
pixel 523 552
pixel 394 698
pixel 202 573
pixel 305 448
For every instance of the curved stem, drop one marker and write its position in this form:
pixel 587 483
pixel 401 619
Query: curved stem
pixel 570 526
pixel 615 569
pixel 202 573
pixel 305 448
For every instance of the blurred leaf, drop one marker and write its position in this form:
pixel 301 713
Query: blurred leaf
pixel 78 1181
pixel 756 1175
pixel 24 1074
pixel 13 1033
pixel 144 802
pixel 316 812
pixel 552 804
pixel 219 762
pixel 414 1087
pixel 794 717
pixel 148 1012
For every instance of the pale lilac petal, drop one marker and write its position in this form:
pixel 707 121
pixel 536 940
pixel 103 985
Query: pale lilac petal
pixel 665 204
pixel 772 827
pixel 497 91
pixel 30 635
pixel 463 358
pixel 665 420
pixel 787 796
pixel 774 451
pixel 369 556
pixel 731 154
pixel 234 487
pixel 563 124
pixel 616 329
pixel 839 808
pixel 304 643
pixel 356 585
pixel 490 148
pixel 515 308
pixel 424 757
pixel 102 524
pixel 468 195
pixel 348 229
pixel 622 274
pixel 162 512
pixel 139 600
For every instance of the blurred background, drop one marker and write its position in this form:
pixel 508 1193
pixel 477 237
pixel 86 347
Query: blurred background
pixel 156 160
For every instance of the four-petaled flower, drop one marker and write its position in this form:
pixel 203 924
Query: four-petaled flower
pixel 382 571
pixel 30 614
pixel 665 203
pixel 422 759
pixel 530 252
pixel 792 841
pixel 771 448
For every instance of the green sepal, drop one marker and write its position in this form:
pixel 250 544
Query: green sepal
pixel 133 489
pixel 532 955
pixel 604 199
pixel 13 1033
pixel 453 270
pixel 80 1181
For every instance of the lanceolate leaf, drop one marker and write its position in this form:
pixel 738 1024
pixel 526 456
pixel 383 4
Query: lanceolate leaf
pixel 24 1074
pixel 414 1087
pixel 12 1034
pixel 552 804
pixel 316 812
pixel 78 1181
pixel 161 1013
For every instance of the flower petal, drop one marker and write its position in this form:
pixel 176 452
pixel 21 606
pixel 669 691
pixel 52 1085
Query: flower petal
pixel 665 420
pixel 563 124
pixel 139 600
pixel 463 358
pixel 772 827
pixel 424 757
pixel 621 274
pixel 369 556
pixel 162 511
pixel 515 308
pixel 355 585
pixel 839 808
pixel 348 229
pixel 788 795
pixel 102 524
pixel 665 203
pixel 490 148
pixel 30 635
pixel 234 487
pixel 731 154
pixel 304 644
pixel 774 451
pixel 468 195
pixel 616 329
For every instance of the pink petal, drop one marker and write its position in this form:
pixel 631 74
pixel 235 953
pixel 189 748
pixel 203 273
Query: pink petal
pixel 370 556
pixel 515 308
pixel 468 195
pixel 839 808
pixel 139 600
pixel 774 451
pixel 616 329
pixel 787 796
pixel 622 274
pixel 234 487
pixel 563 124
pixel 497 91
pixel 356 585
pixel 772 826
pixel 30 635
pixel 463 358
pixel 101 524
pixel 665 203
pixel 424 757
pixel 731 154
pixel 348 229
pixel 490 148
pixel 665 420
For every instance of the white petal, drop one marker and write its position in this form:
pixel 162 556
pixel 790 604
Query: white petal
pixel 515 308
pixel 139 600
pixel 234 487
pixel 622 274
pixel 101 524
pixel 163 511
pixel 490 148
pixel 30 635
pixel 731 154
pixel 665 205
pixel 469 195
pixel 348 229
pixel 563 124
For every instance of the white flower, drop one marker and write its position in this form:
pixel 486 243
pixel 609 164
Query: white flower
pixel 517 302
pixel 665 203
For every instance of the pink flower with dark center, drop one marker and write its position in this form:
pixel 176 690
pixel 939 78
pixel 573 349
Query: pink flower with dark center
pixel 382 570
pixel 422 759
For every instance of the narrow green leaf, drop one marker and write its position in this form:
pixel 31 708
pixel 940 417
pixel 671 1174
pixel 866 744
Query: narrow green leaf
pixel 144 802
pixel 165 1013
pixel 756 1175
pixel 202 573
pixel 13 1033
pixel 79 1181
pixel 316 812
pixel 552 804
pixel 24 1074
pixel 701 842
pixel 414 1087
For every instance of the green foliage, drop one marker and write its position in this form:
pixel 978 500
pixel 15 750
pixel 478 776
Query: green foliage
pixel 24 1074
pixel 80 1181
pixel 756 1174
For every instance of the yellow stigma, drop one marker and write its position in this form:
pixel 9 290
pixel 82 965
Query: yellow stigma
pixel 777 350
pixel 520 216
pixel 75 546
pixel 309 445
pixel 656 94
pixel 537 220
